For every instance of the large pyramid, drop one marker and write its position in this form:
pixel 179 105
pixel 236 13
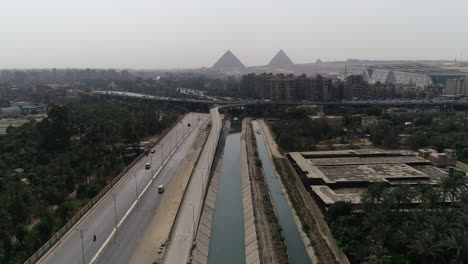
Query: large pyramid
pixel 280 59
pixel 228 61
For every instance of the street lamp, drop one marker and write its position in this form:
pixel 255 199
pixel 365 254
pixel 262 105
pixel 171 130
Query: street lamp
pixel 136 186
pixel 115 215
pixel 82 245
pixel 162 153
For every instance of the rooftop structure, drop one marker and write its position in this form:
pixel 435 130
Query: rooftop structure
pixel 344 175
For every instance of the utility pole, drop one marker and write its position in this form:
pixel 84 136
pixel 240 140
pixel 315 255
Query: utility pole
pixel 115 215
pixel 82 245
pixel 162 153
pixel 136 186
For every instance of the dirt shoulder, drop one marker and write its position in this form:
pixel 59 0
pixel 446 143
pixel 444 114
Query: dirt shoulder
pixel 270 238
pixel 160 226
pixel 322 250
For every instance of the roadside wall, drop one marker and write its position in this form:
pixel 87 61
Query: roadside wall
pixel 252 255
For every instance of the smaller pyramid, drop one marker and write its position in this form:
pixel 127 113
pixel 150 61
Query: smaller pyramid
pixel 280 59
pixel 228 61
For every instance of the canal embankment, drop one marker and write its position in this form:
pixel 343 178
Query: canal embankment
pixel 307 211
pixel 272 249
pixel 294 243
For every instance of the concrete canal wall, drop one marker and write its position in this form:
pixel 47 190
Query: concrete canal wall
pixel 252 255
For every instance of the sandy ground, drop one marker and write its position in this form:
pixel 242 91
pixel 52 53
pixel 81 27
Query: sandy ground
pixel 271 250
pixel 6 122
pixel 159 228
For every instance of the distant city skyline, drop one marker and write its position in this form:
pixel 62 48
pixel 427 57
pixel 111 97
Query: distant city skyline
pixel 193 34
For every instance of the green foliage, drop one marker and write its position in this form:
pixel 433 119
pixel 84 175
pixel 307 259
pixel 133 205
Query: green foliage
pixel 423 121
pixel 385 135
pixel 374 111
pixel 258 163
pixel 382 230
pixel 299 134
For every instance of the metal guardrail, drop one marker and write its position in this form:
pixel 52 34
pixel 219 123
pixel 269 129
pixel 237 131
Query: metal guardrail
pixel 62 231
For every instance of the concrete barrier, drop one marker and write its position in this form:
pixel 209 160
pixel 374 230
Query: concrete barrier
pixel 252 255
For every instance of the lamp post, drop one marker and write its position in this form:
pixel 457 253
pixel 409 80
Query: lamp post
pixel 136 186
pixel 82 245
pixel 115 214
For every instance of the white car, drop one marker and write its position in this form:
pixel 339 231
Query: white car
pixel 147 166
pixel 160 188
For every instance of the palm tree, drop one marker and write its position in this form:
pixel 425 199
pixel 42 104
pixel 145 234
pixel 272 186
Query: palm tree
pixel 458 240
pixel 402 195
pixel 423 191
pixel 375 192
pixel 425 247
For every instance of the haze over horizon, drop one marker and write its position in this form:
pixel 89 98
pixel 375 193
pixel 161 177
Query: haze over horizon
pixel 194 34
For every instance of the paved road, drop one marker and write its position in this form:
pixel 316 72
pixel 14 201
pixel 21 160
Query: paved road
pixel 187 219
pixel 122 248
pixel 101 220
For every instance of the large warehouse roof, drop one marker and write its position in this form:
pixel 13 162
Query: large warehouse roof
pixel 416 68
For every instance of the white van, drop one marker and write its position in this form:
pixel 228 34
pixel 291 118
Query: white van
pixel 160 188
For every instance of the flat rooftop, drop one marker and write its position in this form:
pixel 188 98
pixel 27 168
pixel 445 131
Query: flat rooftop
pixel 344 175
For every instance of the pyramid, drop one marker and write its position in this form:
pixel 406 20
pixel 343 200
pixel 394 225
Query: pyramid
pixel 228 61
pixel 280 59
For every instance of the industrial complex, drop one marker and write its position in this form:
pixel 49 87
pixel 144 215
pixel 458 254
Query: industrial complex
pixel 344 175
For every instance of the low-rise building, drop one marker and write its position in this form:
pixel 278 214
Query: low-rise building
pixel 344 175
pixel 11 111
pixel 446 158
pixel 368 122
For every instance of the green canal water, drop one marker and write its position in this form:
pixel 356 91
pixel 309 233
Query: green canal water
pixel 227 233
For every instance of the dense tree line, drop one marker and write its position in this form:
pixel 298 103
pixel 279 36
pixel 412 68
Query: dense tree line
pixel 297 132
pixel 49 169
pixel 386 229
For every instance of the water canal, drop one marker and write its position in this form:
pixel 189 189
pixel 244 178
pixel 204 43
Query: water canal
pixel 227 233
pixel 294 243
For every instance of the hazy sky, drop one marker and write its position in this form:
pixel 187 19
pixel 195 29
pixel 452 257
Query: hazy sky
pixel 194 33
